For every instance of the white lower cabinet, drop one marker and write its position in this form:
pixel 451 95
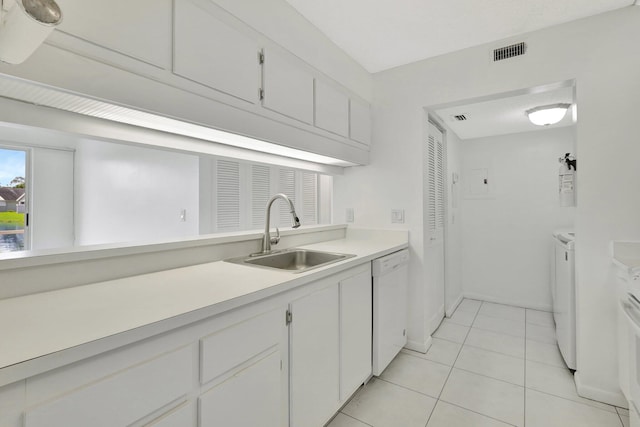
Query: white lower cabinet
pixel 248 367
pixel 330 346
pixel 249 398
pixel 314 357
pixel 355 332
pixel 120 399
pixel 244 375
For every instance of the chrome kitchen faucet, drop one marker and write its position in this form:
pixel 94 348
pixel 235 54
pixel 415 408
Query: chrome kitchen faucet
pixel 267 240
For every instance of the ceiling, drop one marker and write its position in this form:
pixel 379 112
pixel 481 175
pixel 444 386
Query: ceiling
pixel 504 115
pixel 382 34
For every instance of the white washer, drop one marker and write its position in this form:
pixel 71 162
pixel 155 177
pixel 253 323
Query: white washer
pixel 564 296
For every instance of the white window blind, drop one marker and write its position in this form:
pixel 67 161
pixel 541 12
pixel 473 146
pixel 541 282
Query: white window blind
pixel 242 191
pixel 309 198
pixel 260 193
pixel 287 186
pixel 227 195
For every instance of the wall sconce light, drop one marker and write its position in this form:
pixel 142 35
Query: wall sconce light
pixel 24 25
pixel 548 114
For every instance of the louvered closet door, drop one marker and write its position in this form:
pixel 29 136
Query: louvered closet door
pixel 434 199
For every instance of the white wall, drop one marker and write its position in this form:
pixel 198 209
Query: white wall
pixel 51 212
pixel 506 235
pixel 599 53
pixel 453 230
pixel 132 194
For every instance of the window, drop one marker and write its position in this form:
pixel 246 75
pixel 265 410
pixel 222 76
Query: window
pixel 13 200
pixel 242 190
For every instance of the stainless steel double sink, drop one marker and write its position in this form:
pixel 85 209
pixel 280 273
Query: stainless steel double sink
pixel 294 260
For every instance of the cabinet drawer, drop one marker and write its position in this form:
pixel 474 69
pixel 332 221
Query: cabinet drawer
pixel 230 347
pixel 120 399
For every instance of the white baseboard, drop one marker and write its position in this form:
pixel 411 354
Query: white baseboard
pixel 452 308
pixel 436 319
pixel 516 303
pixel 420 347
pixel 611 397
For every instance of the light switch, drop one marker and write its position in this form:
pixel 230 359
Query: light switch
pixel 349 215
pixel 183 215
pixel 397 216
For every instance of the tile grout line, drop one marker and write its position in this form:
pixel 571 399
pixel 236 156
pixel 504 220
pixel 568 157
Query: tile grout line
pixel 354 418
pixel 454 362
pixel 496 352
pixel 407 388
pixel 499 332
pixel 491 378
pixel 524 405
pixel 428 360
pixel 573 401
pixel 476 412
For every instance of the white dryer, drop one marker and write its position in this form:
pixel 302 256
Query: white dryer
pixel 564 295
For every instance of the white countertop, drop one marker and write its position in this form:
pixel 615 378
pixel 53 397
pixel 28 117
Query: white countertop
pixel 47 324
pixel 626 255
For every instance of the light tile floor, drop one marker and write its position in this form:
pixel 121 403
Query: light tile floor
pixel 490 365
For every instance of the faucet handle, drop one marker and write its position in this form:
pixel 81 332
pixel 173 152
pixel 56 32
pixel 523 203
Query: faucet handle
pixel 276 239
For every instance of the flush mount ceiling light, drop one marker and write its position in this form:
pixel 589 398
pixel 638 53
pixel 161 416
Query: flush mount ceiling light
pixel 547 114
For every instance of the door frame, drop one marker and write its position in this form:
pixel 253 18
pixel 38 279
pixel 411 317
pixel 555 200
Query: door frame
pixel 7 145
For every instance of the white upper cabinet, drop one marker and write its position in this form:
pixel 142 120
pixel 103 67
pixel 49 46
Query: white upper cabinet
pixel 139 29
pixel 332 109
pixel 360 123
pixel 213 53
pixel 288 87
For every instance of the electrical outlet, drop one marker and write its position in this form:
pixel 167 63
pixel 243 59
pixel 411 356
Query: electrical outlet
pixel 397 216
pixel 349 215
pixel 183 215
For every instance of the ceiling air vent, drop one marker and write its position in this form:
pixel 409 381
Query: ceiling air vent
pixel 460 117
pixel 509 51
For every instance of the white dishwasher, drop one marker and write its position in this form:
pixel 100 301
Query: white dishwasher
pixel 390 303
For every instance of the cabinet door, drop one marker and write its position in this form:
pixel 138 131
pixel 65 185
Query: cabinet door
pixel 288 88
pixel 213 53
pixel 140 29
pixel 360 121
pixel 252 397
pixel 314 358
pixel 332 109
pixel 355 332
